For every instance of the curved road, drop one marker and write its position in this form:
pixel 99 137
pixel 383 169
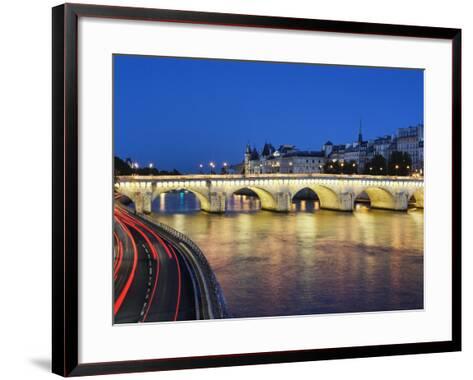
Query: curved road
pixel 155 276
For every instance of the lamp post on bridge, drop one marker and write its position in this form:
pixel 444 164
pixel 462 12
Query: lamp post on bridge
pixel 212 167
pixel 135 166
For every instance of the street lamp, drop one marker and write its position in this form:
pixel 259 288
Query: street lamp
pixel 212 167
pixel 201 167
pixel 397 167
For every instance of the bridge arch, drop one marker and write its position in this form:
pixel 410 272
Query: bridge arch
pixel 379 198
pixel 122 198
pixel 203 199
pixel 328 198
pixel 268 202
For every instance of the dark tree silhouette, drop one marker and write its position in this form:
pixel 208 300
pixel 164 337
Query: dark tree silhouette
pixel 337 167
pixel 399 164
pixel 125 168
pixel 349 167
pixel 376 166
pixel 121 167
pixel 331 167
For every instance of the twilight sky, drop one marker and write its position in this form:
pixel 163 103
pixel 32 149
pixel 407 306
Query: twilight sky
pixel 180 112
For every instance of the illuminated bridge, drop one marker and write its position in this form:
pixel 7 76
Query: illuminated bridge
pixel 276 191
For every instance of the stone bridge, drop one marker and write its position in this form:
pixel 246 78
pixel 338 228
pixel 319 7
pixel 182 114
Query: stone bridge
pixel 276 191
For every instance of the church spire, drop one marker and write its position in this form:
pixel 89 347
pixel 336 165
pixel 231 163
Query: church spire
pixel 248 148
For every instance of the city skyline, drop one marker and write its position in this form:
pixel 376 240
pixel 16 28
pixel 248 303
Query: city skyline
pixel 214 166
pixel 217 107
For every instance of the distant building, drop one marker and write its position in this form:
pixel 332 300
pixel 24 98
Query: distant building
pixel 409 140
pixel 289 159
pixel 285 159
pixel 335 152
pixel 358 152
pixel 421 157
pixel 383 146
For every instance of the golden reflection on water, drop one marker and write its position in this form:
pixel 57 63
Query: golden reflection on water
pixel 308 260
pixel 162 202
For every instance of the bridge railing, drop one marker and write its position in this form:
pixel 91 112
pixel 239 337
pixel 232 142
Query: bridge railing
pixel 264 176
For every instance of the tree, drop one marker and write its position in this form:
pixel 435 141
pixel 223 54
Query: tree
pixel 121 167
pixel 349 167
pixel 341 167
pixel 332 167
pixel 376 166
pixel 125 168
pixel 400 164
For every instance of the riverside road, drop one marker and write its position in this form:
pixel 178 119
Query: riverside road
pixel 155 276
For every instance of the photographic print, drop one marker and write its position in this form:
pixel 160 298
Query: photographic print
pixel 249 189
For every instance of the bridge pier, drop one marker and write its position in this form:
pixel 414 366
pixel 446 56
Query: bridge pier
pixel 283 201
pixel 346 201
pixel 143 201
pixel 217 202
pixel 401 201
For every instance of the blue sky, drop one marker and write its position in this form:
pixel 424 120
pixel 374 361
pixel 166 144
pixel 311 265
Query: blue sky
pixel 180 112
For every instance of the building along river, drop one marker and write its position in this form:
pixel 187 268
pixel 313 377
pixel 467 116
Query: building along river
pixel 307 261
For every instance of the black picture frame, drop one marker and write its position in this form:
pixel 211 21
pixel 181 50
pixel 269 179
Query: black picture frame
pixel 65 188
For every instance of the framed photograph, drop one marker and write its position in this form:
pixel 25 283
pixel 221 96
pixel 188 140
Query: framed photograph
pixel 234 189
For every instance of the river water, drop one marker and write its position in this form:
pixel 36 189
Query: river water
pixel 307 261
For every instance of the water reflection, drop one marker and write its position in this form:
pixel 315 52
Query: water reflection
pixel 307 261
pixel 241 203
